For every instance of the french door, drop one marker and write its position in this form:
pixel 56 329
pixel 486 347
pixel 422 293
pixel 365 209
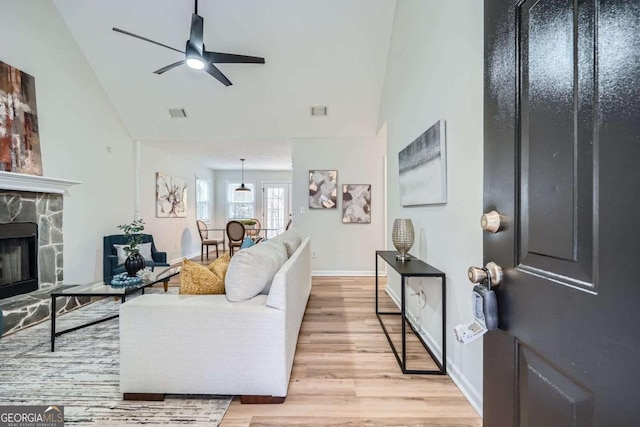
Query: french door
pixel 276 207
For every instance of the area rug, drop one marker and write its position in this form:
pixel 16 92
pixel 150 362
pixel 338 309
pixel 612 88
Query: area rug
pixel 83 375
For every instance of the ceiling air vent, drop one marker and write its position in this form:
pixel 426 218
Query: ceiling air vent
pixel 177 113
pixel 318 111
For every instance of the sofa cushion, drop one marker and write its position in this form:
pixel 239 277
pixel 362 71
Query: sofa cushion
pixel 220 265
pixel 251 270
pixel 291 240
pixel 196 279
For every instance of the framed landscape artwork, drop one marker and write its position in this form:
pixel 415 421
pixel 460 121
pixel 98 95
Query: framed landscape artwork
pixel 19 137
pixel 356 203
pixel 423 168
pixel 323 189
pixel 171 196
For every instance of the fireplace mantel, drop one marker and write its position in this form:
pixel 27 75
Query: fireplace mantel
pixel 34 183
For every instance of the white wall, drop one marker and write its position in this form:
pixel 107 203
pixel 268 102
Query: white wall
pixel 435 71
pixel 81 136
pixel 83 139
pixel 257 176
pixel 342 249
pixel 177 236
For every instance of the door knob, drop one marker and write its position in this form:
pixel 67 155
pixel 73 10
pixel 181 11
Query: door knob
pixel 477 274
pixel 490 271
pixel 490 221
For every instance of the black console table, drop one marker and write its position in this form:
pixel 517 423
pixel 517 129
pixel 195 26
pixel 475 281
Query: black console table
pixel 406 269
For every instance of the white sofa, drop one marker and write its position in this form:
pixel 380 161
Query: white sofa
pixel 205 344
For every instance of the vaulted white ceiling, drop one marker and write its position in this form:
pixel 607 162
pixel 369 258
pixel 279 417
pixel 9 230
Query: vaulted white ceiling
pixel 329 52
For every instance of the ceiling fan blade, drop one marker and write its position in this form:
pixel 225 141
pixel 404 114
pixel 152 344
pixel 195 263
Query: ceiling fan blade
pixel 169 67
pixel 213 70
pixel 195 39
pixel 118 30
pixel 230 58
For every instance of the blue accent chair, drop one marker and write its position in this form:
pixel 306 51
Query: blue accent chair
pixel 110 258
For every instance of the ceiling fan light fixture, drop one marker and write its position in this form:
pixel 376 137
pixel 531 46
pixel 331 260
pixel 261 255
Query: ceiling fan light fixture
pixel 195 63
pixel 195 54
pixel 194 59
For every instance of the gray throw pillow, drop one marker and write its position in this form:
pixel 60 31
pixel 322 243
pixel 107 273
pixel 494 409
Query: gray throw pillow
pixel 251 270
pixel 121 253
pixel 291 240
pixel 145 251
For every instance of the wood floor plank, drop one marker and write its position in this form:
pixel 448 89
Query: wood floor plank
pixel 345 373
pixel 365 407
pixel 359 422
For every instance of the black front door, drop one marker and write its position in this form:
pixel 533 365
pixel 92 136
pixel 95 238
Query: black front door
pixel 562 166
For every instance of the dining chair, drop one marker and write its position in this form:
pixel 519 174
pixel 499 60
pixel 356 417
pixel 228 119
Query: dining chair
pixel 235 234
pixel 206 241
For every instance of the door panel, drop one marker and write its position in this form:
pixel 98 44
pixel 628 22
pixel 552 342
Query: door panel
pixel 546 61
pixel 562 147
pixel 546 396
pixel 556 98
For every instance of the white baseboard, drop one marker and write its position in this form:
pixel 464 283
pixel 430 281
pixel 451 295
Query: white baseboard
pixel 344 273
pixel 178 261
pixel 469 391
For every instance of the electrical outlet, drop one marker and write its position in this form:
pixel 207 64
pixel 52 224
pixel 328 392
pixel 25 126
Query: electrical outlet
pixel 314 254
pixel 302 210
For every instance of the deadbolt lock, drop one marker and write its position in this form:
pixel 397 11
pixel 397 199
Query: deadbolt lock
pixel 490 271
pixel 490 221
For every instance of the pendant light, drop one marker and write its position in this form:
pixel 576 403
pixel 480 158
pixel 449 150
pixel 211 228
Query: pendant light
pixel 242 186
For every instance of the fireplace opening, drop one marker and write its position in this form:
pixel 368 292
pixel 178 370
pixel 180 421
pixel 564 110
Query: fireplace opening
pixel 18 258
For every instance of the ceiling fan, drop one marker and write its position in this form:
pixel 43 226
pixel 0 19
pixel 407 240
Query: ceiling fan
pixel 195 54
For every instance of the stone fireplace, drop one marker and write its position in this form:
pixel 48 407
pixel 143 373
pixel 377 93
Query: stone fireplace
pixel 31 247
pixel 44 212
pixel 18 258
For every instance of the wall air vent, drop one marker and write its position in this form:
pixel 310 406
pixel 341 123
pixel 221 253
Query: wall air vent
pixel 177 113
pixel 318 111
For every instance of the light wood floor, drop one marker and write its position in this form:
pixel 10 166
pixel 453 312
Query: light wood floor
pixel 345 374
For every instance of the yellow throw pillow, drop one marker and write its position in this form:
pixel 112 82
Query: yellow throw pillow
pixel 196 279
pixel 220 266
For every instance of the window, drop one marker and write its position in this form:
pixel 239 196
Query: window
pixel 240 204
pixel 203 199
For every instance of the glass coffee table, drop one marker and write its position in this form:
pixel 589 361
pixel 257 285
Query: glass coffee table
pixel 102 289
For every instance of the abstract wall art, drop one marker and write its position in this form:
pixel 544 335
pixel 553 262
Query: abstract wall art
pixel 356 203
pixel 19 138
pixel 171 196
pixel 423 168
pixel 323 189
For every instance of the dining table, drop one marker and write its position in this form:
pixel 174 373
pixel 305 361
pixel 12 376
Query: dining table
pixel 261 230
pixel 265 230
